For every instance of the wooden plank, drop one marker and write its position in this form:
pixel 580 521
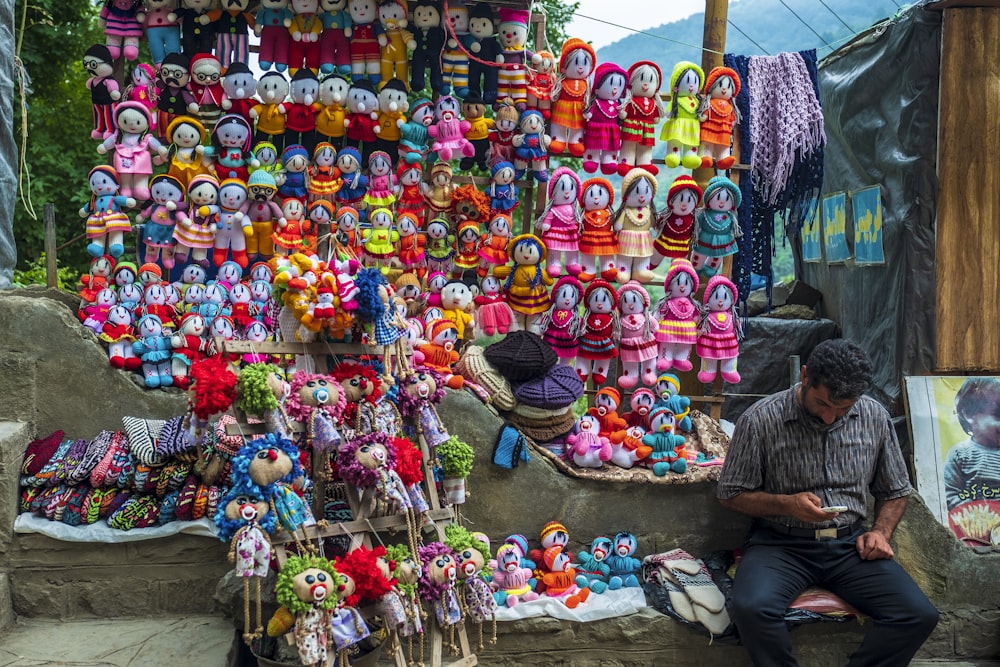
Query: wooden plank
pixel 287 347
pixel 942 5
pixel 379 523
pixel 51 266
pixel 968 243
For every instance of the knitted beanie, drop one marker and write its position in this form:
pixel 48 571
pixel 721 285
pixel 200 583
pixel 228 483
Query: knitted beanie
pixel 228 445
pixel 604 183
pixel 531 412
pixel 636 287
pixel 636 173
pixel 39 452
pixel 717 280
pixel 563 171
pixel 100 471
pixel 678 265
pixel 552 527
pixel 604 70
pixel 639 63
pixel 571 45
pixel 521 356
pixel 681 183
pixel 719 182
pixel 658 410
pixel 682 67
pixel 613 393
pixel 474 367
pixel 559 387
pixel 543 430
pixel 714 75
pixel 519 541
pixel 174 438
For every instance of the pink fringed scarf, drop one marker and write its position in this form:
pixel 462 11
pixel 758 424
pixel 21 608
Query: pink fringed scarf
pixel 787 119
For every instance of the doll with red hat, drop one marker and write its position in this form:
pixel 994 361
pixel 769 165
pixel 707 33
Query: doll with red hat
pixel 206 86
pixel 440 353
pixel 602 138
pixel 678 315
pixel 605 409
pixel 466 248
pixel 562 322
pixel 676 223
pixel 681 131
pixel 643 111
pixel 598 333
pixel 598 243
pixel 718 115
pixel 512 33
pixel 189 344
pixel 576 64
pixel 637 347
pixel 720 332
pixel 493 243
pixel 411 247
pixel 560 580
pixel 559 223
pixel 526 282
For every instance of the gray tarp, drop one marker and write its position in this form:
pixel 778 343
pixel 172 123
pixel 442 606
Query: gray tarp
pixel 8 149
pixel 880 101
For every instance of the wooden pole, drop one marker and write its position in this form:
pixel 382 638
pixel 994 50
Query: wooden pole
pixel 714 38
pixel 49 217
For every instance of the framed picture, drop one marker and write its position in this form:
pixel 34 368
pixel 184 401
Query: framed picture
pixel 955 430
pixel 867 208
pixel 812 248
pixel 835 228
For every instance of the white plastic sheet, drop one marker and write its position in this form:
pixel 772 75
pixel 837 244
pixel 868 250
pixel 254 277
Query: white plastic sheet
pixel 609 604
pixel 102 532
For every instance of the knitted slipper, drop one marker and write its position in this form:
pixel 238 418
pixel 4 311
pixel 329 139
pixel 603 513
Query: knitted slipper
pixel 695 579
pixel 142 437
pixel 96 450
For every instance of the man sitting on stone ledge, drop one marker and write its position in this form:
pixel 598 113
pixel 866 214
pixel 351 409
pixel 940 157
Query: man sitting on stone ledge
pixel 801 462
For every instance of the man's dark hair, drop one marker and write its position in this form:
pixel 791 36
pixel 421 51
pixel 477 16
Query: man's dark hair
pixel 976 396
pixel 840 366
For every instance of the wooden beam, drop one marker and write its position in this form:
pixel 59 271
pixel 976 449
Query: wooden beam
pixel 51 266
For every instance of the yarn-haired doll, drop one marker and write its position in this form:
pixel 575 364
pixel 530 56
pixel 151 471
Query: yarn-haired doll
pixel 679 316
pixel 318 402
pixel 562 322
pixel 576 63
pixel 526 281
pixel 717 227
pixel 720 332
pixel 643 111
pixel 419 393
pixel 472 553
pixel 602 138
pixel 307 587
pixel 406 574
pixel 598 333
pixel 682 131
pixel 437 587
pixel 633 220
pixel 560 222
pixel 718 114
pixel 676 224
pixel 130 145
pixel 598 243
pixel 637 344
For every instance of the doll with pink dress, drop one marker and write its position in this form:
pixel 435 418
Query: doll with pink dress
pixel 637 346
pixel 679 316
pixel 493 314
pixel 130 147
pixel 562 322
pixel 720 332
pixel 598 333
pixel 602 138
pixel 559 225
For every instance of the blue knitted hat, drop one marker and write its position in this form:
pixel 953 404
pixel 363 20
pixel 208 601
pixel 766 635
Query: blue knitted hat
pixel 719 182
pixel 295 150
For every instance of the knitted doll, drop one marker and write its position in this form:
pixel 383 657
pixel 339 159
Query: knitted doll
pixel 605 409
pixel 456 302
pixel 717 226
pixel 602 133
pixel 576 64
pixel 466 248
pixel 330 125
pixel 485 48
pixel 682 130
pixel 269 465
pixel 190 344
pixel 559 223
pixel 362 389
pixel 512 33
pixel 633 220
pixel 676 224
pixel 668 447
pixel 196 37
pixel 474 110
pixel 392 105
pixel 526 281
pixel 622 563
pixel 95 314
pixel 380 239
pixel 437 587
pixel 643 111
pixel 118 333
pixel 541 81
pixel 511 578
pixel 142 89
pixel 435 283
pixel 641 402
pixel 720 332
pixel 493 315
pixel 717 115
pixel 472 551
pixel 588 448
pixel 130 145
pixel 503 192
pixel 272 21
pixel 454 61
pixel 104 93
pixel 230 148
pixel 107 223
pixel 563 322
pixel 411 191
pixel 269 113
pixel 406 573
pixel 206 87
pixel 381 181
pixel 493 244
pixel 598 332
pixel 418 395
pixel 429 36
pixel 324 179
pixel 159 17
pixel 302 109
pixel 439 195
pixel 347 625
pixel 679 316
pixel 153 348
pixel 195 231
pixel 531 146
pixel 627 448
pixel 668 387
pixel 593 572
pixel 118 19
pixel 502 135
pixel 560 581
pixel 365 29
pixel 307 587
pixel 334 46
pixel 241 299
pixel 187 154
pixel 161 216
pixel 305 30
pixel 291 179
pixel 448 130
pixel 598 243
pixel 175 98
pixel 440 353
pixel 440 246
pixel 352 191
pixel 637 344
pixel 232 28
pixel 262 212
pixel 410 248
pixel 394 42
pixel 233 227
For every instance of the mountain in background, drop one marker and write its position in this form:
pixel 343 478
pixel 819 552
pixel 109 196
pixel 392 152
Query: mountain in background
pixel 767 22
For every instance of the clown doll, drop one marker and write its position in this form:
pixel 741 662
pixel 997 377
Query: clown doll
pixel 512 33
pixel 677 223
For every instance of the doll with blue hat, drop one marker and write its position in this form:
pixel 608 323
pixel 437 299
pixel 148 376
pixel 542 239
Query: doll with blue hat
pixel 292 177
pixel 531 146
pixel 717 226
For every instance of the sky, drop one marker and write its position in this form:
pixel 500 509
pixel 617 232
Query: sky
pixel 634 14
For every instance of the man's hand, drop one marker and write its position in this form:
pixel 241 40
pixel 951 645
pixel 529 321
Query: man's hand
pixel 805 506
pixel 873 545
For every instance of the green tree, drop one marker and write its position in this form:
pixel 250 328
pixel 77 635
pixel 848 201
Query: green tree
pixel 51 37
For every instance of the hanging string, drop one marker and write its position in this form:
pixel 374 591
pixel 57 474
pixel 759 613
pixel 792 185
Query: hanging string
pixel 23 172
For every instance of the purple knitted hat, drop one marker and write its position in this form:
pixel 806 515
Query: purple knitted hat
pixel 521 356
pixel 560 387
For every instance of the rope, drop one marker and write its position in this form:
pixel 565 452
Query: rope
pixel 23 173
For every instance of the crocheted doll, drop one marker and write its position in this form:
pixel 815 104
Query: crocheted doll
pixel 153 348
pixel 598 333
pixel 269 113
pixel 598 243
pixel 187 154
pixel 637 344
pixel 435 283
pixel 162 32
pixel 297 234
pixel 379 240
pixel 562 322
pixel 456 302
pixel 454 58
pixel 429 36
pixel 605 408
pixel 560 581
pixel 439 195
pixel 300 121
pixel 502 135
pixel 622 563
pixel 324 178
pixel 104 93
pixel 466 249
pixel 440 353
pixel 717 115
pixel 334 47
pixel 365 53
pixel 589 449
pixel 393 105
pixel 394 42
pixel 118 333
pixel 720 332
pixel 233 226
pixel 411 190
pixel 244 519
pixel 531 146
pixel 195 232
pixel 679 316
pixel 330 121
pixel 418 395
pixel 602 133
pixel 161 216
pixel 682 130
pixel 317 402
pixel 175 98
pixel 406 615
pixel 130 145
pixel 437 587
pixel 511 579
pixel 503 192
pixel 493 314
pixel 206 87
pixel 142 89
pixel 305 30
pixel 448 130
pixel 474 110
pixel 717 226
pixel 576 64
pixel 633 220
pixel 593 572
pixel 485 47
pixel 190 344
pixel 526 282
pixel 107 223
pixel 643 111
pixel 472 552
pixel 269 466
pixel 118 19
pixel 410 249
pixel 627 448
pixel 676 224
pixel 512 33
pixel 641 402
pixel 553 534
pixel 361 387
pixel 559 224
pixel 493 244
pixel 196 37
pixel 667 454
pixel 668 387
pixel 307 587
pixel 381 182
pixel 95 314
pixel 541 81
pixel 271 25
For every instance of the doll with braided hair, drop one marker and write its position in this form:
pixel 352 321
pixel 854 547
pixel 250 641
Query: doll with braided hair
pixel 526 282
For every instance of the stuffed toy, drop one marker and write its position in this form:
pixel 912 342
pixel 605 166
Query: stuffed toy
pixel 151 274
pixel 559 223
pixel 241 298
pixel 717 115
pixel 474 110
pixel 638 348
pixel 196 37
pixel 569 97
pixel 633 220
pixel 562 322
pixel 104 93
pixel 195 231
pixel 511 578
pixel 130 146
pixel 334 46
pixel 95 314
pixel 440 353
pixel 347 625
pixel 352 190
pixel 493 244
pixel 272 21
pixel 598 332
pixel 676 224
pixel 622 563
pixel 641 402
pixel 362 389
pixel 560 580
pixel 468 203
pixel 380 239
pixel 512 33
pixel 602 133
pixel 215 302
pixel 206 87
pixel 161 217
pixel 118 333
pixel 627 448
pixel 187 156
pixel 485 48
pixel 717 226
pixel 598 243
pixel 163 34
pixel 269 113
pixel 392 106
pixel 362 117
pixel 295 235
pixel 419 394
pixel 323 177
pixel 541 82
pixel 107 222
pixel 435 283
pixel 414 140
pixel 331 125
pixel 593 572
pixel 472 551
pixel 437 587
pixel 154 349
pixel 678 315
pixel 269 466
pixel 142 89
pixel 232 28
pixel 454 58
pixel 531 146
pixel 302 109
pixel 448 130
pixel 668 387
pixel 374 306
pixel 720 332
pixel 175 98
pixel 189 344
pixel 439 195
pixel 305 30
pixel 307 587
pixel 412 189
pixel 124 273
pixel 122 29
pixel 643 111
pixel 456 304
pixel 429 35
pixel 233 226
pixel 466 248
pixel 318 402
pixel 381 182
pixel 668 448
pixel 292 177
pixel 503 192
pixel 407 621
pixel 493 314
pixel 262 212
pixel 682 130
pixel 605 408
pixel 440 246
pixel 363 33
pixel 230 148
pixel 526 282
pixel 587 447
pixel 394 42
pixel 501 137
pixel 410 250
pixel 244 519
